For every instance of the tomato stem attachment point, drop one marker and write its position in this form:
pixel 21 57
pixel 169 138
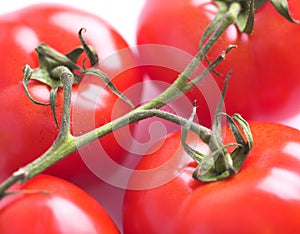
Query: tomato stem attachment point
pixel 220 164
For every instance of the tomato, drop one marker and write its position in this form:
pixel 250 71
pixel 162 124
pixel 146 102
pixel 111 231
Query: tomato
pixel 52 205
pixel 265 80
pixel 28 130
pixel 263 197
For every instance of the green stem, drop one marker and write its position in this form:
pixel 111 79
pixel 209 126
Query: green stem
pixel 135 116
pixel 181 84
pixel 65 143
pixel 61 148
pixel 64 146
pixel 67 79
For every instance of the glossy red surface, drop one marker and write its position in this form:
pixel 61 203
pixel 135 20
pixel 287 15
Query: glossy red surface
pixel 263 197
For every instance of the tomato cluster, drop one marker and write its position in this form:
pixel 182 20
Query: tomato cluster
pixel 263 197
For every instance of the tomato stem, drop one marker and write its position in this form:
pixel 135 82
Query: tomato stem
pixel 181 84
pixel 65 143
pixel 67 79
pixel 56 70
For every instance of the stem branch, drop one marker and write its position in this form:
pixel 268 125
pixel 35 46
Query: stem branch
pixel 65 143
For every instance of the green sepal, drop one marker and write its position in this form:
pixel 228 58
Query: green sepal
pixel 245 20
pixel 75 54
pixel 196 155
pixel 282 7
pixel 53 63
pixel 259 3
pixel 240 154
pixel 220 164
pixel 91 53
pixel 27 75
pixel 215 166
pixel 53 98
pixel 43 76
pixel 106 80
pixel 50 58
pixel 46 73
pixel 216 125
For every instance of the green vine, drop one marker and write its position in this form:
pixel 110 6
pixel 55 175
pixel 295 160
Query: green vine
pixel 61 71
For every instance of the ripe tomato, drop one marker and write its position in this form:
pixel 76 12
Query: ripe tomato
pixel 28 130
pixel 52 205
pixel 265 80
pixel 263 197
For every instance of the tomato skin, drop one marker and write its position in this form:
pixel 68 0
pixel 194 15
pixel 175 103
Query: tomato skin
pixel 53 206
pixel 265 80
pixel 263 197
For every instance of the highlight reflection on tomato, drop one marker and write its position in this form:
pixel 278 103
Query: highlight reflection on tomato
pixel 263 197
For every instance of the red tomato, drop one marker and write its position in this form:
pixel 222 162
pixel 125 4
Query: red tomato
pixel 265 80
pixel 264 197
pixel 52 205
pixel 28 130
